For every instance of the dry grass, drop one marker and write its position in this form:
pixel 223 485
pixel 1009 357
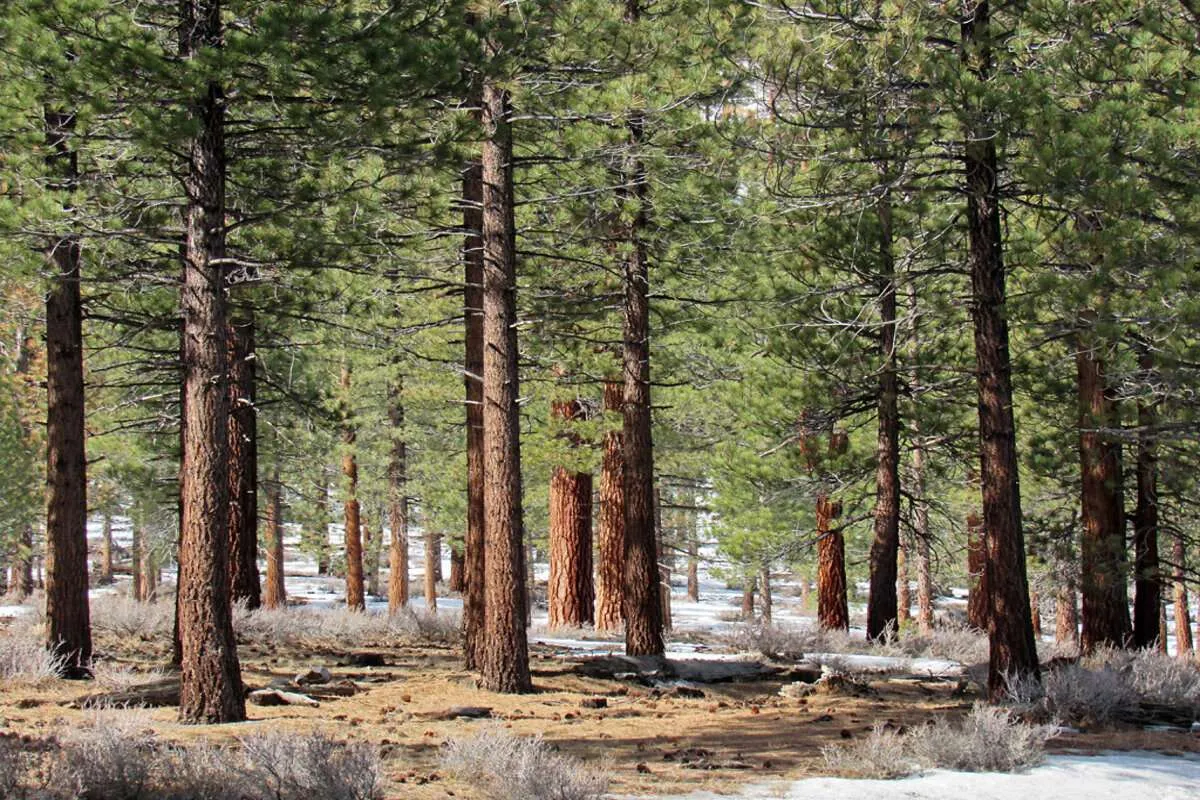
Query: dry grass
pixel 24 659
pixel 520 768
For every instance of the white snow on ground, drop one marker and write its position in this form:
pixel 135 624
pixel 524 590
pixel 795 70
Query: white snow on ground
pixel 1119 776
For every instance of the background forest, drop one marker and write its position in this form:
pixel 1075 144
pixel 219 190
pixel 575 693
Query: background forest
pixel 912 281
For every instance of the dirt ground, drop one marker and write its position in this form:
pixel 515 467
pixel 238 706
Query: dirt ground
pixel 650 743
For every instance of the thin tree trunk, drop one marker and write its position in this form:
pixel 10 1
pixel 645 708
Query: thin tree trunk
pixel 977 597
pixel 432 556
pixel 68 624
pixel 473 600
pixel 764 590
pixel 921 536
pixel 1013 652
pixel 21 584
pixel 1148 589
pixel 355 590
pixel 135 562
pixel 1066 618
pixel 570 593
pixel 243 466
pixel 323 547
pixel 833 611
pixel 1183 625
pixel 903 591
pixel 149 569
pixel 1035 613
pixel 642 604
pixel 749 585
pixel 882 614
pixel 610 566
pixel 1161 644
pixel 397 500
pixel 693 565
pixel 666 560
pixel 1103 573
pixel 275 595
pixel 106 552
pixel 211 681
pixel 504 661
pixel 373 545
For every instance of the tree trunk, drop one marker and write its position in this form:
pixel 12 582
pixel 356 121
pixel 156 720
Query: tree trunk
pixel 457 581
pixel 21 584
pixel 473 377
pixel 764 590
pixel 211 681
pixel 355 591
pixel 1035 613
pixel 149 569
pixel 666 560
pixel 693 565
pixel 1013 652
pixel 1147 598
pixel 882 616
pixel 106 553
pixel 397 500
pixel 373 546
pixel 135 562
pixel 977 598
pixel 1066 618
pixel 323 548
pixel 1103 564
pixel 1183 625
pixel 570 591
pixel 1161 644
pixel 903 592
pixel 921 536
pixel 833 612
pixel 642 604
pixel 504 661
pixel 275 595
pixel 68 625
pixel 610 548
pixel 432 556
pixel 243 466
pixel 749 584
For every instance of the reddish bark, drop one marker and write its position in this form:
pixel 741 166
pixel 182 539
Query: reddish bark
pixel 397 502
pixel 1103 573
pixel 1013 652
pixel 355 590
pixel 610 566
pixel 977 599
pixel 570 593
pixel 457 570
pixel 833 611
pixel 433 555
pixel 68 625
pixel 210 679
pixel 275 595
pixel 504 656
pixel 1183 625
pixel 473 600
pixel 1066 618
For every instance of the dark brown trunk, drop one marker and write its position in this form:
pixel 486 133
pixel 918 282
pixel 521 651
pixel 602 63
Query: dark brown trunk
pixel 355 590
pixel 666 560
pixel 1183 625
pixel 473 377
pixel 764 592
pixel 749 585
pixel 243 466
pixel 275 595
pixel 1035 612
pixel 429 570
pixel 1066 618
pixel 397 501
pixel 882 615
pixel 977 597
pixel 457 582
pixel 324 550
pixel 570 593
pixel 610 555
pixel 1103 572
pixel 68 625
pixel 640 587
pixel 1148 589
pixel 210 681
pixel 1013 652
pixel 833 612
pixel 504 656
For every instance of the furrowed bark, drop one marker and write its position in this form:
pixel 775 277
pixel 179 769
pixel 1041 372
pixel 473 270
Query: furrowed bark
pixel 243 466
pixel 610 567
pixel 833 612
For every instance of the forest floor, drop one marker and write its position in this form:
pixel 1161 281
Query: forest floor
pixel 652 741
